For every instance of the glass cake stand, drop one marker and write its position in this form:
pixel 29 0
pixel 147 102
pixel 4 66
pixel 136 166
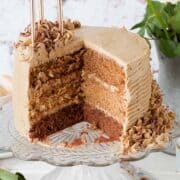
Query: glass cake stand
pixel 169 81
pixel 175 134
pixel 75 153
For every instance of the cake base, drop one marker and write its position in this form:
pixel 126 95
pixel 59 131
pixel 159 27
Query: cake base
pixel 57 121
pixel 100 120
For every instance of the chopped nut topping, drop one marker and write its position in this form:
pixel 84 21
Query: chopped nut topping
pixel 48 33
pixel 152 129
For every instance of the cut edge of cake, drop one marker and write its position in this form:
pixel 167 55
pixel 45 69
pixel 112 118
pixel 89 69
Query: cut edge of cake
pixel 28 58
pixel 132 54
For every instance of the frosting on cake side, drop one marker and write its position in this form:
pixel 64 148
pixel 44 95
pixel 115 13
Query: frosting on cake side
pixel 131 52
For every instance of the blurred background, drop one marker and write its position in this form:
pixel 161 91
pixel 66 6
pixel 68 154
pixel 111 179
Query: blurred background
pixel 14 16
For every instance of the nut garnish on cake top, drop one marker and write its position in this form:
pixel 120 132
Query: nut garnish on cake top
pixel 48 38
pixel 48 32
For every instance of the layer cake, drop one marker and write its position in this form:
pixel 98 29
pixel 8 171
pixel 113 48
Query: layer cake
pixel 97 74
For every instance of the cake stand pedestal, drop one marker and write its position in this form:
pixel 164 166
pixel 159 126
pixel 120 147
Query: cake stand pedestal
pixel 117 171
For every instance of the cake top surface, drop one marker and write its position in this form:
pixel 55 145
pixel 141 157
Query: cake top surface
pixel 118 43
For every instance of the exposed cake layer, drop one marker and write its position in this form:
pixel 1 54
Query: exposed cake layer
pixel 122 92
pixel 55 84
pixel 98 96
pixel 101 120
pixel 130 76
pixel 56 68
pixel 104 86
pixel 50 87
pixel 131 54
pixel 104 68
pixel 68 94
pixel 57 121
pixel 49 60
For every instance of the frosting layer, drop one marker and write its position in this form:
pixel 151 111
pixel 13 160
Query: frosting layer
pixel 121 45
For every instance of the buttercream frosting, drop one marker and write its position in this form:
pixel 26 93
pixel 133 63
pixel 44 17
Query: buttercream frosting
pixel 131 52
pixel 103 83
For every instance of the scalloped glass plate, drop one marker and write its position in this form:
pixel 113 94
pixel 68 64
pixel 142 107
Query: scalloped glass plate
pixel 72 146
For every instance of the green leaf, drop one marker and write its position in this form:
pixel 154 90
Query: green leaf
pixel 175 22
pixel 155 6
pixel 5 175
pixel 20 176
pixel 149 31
pixel 177 7
pixel 177 50
pixel 138 25
pixel 167 47
pixel 157 9
pixel 141 31
pixel 162 22
pixel 174 37
pixel 148 13
pixel 143 22
pixel 152 21
pixel 170 9
pixel 154 31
